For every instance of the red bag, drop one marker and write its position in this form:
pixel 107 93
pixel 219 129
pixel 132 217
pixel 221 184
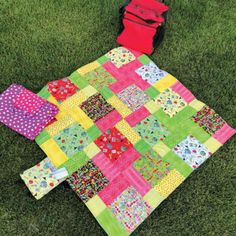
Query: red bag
pixel 140 24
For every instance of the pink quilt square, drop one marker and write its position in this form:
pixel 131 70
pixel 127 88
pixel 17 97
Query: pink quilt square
pixel 223 134
pixel 113 189
pixel 109 120
pixel 183 92
pixel 137 116
pixel 136 180
pixel 106 166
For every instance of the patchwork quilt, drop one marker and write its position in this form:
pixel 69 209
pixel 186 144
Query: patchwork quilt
pixel 128 134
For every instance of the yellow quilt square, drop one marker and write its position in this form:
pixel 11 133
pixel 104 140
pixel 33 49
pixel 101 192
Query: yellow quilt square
pixel 91 150
pixel 169 183
pixel 61 124
pixel 128 132
pixel 73 101
pixel 152 107
pixel 196 104
pixel 79 115
pixel 54 153
pixel 152 198
pixel 212 145
pixel 53 100
pixel 96 205
pixel 89 67
pixel 165 82
pixel 161 148
pixel 89 91
pixel 119 106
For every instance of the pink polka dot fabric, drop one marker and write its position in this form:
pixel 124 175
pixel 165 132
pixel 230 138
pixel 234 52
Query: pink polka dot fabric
pixel 24 111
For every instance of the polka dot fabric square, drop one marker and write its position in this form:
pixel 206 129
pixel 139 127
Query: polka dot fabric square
pixel 133 97
pixel 25 112
pixel 130 209
pixel 209 120
pixel 87 181
pixel 113 143
pixel 96 107
pixel 170 102
pixel 192 151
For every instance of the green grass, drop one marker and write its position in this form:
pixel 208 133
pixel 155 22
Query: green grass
pixel 43 40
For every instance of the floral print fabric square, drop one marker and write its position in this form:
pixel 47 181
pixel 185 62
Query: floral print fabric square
pixel 152 167
pixel 96 107
pixel 130 209
pixel 100 78
pixel 72 139
pixel 113 144
pixel 192 151
pixel 40 179
pixel 170 102
pixel 209 120
pixel 151 130
pixel 62 89
pixel 87 181
pixel 120 56
pixel 151 73
pixel 133 97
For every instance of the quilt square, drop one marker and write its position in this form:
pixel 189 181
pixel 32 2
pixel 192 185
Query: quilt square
pixel 72 139
pixel 192 151
pixel 120 56
pixel 87 181
pixel 133 97
pixel 170 102
pixel 152 167
pixel 113 143
pixel 24 111
pixel 62 89
pixel 96 107
pixel 151 73
pixel 151 130
pixel 209 120
pixel 100 78
pixel 40 178
pixel 130 209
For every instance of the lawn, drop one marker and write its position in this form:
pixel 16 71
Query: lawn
pixel 44 40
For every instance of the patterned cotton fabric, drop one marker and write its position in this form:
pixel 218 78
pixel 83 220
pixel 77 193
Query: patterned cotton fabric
pixel 130 209
pixel 96 107
pixel 171 102
pixel 40 178
pixel 128 143
pixel 151 73
pixel 209 120
pixel 192 151
pixel 133 97
pixel 120 56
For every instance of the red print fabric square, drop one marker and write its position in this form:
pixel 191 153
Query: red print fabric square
pixel 113 144
pixel 62 89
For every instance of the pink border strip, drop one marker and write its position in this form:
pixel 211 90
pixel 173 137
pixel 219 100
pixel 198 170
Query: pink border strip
pixel 183 92
pixel 137 116
pixel 223 134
